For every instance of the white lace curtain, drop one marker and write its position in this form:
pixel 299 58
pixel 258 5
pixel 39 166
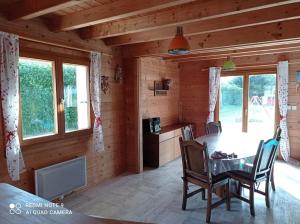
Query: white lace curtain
pixel 9 59
pixel 95 92
pixel 214 85
pixel 283 77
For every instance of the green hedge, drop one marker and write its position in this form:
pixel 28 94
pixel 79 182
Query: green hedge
pixel 37 104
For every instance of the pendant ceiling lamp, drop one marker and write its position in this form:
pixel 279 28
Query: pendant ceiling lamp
pixel 229 65
pixel 179 44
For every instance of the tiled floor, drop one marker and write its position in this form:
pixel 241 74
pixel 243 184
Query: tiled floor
pixel 155 196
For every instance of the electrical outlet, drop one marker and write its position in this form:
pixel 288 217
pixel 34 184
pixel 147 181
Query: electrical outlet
pixel 289 107
pixel 294 107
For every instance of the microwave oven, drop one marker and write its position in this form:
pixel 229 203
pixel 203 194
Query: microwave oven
pixel 151 125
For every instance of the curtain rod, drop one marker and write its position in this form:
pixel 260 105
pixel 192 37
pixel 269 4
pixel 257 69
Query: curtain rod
pixel 60 45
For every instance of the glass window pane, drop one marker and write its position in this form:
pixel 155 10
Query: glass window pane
pixel 231 103
pixel 261 104
pixel 76 104
pixel 37 98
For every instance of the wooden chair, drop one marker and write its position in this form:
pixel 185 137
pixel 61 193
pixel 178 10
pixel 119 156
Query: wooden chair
pixel 261 171
pixel 196 171
pixel 187 133
pixel 277 136
pixel 213 127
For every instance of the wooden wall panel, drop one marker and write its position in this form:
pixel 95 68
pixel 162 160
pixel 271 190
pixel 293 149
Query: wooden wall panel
pixel 165 107
pixel 194 94
pixel 100 166
pixel 131 114
pixel 194 91
pixel 141 103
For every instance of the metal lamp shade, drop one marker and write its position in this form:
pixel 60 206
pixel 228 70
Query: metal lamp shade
pixel 229 65
pixel 179 44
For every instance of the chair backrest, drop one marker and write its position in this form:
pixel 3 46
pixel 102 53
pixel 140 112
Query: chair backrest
pixel 264 158
pixel 277 134
pixel 276 150
pixel 195 160
pixel 213 127
pixel 187 133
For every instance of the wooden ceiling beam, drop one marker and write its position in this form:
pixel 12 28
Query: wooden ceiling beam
pixel 29 9
pixel 195 11
pixel 237 53
pixel 116 10
pixel 37 31
pixel 254 62
pixel 252 18
pixel 261 35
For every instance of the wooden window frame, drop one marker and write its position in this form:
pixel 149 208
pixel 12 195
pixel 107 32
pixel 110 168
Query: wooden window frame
pixel 58 60
pixel 246 74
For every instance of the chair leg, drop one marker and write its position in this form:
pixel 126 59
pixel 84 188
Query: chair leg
pixel 272 180
pixel 239 189
pixel 209 200
pixel 203 194
pixel 252 211
pixel 267 198
pixel 228 195
pixel 184 195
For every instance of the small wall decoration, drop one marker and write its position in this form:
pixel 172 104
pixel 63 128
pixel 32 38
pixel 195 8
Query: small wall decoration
pixel 166 84
pixel 119 73
pixel 297 81
pixel 158 89
pixel 161 87
pixel 104 84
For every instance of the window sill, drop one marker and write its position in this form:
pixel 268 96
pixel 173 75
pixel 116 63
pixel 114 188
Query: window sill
pixel 56 137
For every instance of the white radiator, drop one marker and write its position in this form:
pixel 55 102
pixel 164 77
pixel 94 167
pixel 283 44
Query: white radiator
pixel 57 180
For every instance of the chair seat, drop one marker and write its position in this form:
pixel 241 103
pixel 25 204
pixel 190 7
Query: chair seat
pixel 238 174
pixel 215 178
pixel 219 177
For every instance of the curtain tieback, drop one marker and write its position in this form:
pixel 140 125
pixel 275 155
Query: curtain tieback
pixel 98 121
pixel 282 117
pixel 10 135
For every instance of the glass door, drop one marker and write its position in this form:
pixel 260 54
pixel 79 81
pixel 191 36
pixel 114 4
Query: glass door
pixel 247 103
pixel 261 104
pixel 231 102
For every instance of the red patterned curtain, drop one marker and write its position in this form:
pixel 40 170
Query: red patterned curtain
pixel 283 79
pixel 95 91
pixel 9 59
pixel 214 85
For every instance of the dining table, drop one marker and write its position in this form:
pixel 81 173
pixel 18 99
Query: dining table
pixel 243 145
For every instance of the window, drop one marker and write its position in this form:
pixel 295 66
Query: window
pixel 75 97
pixel 54 97
pixel 37 87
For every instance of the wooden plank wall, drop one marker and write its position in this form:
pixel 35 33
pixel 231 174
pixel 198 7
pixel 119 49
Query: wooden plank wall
pixel 165 107
pixel 131 114
pixel 99 166
pixel 140 101
pixel 194 94
pixel 194 91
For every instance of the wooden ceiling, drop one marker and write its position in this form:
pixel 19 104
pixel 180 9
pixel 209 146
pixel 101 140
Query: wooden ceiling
pixel 214 28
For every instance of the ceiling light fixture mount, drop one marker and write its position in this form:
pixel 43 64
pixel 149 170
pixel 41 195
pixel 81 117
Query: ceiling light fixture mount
pixel 179 44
